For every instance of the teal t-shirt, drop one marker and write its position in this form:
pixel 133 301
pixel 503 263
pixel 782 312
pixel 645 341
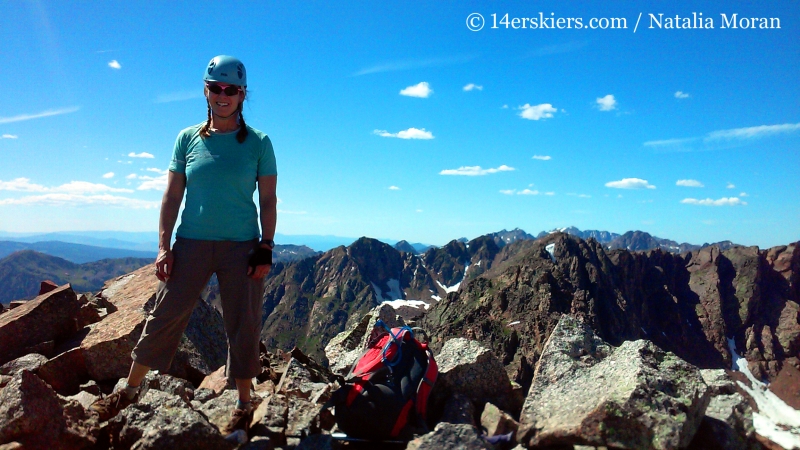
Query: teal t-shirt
pixel 221 178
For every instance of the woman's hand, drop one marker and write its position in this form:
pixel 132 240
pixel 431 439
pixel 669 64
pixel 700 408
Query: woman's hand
pixel 259 271
pixel 164 262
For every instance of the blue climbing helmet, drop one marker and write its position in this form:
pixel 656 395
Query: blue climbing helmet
pixel 226 69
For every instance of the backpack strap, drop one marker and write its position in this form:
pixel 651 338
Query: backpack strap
pixel 428 380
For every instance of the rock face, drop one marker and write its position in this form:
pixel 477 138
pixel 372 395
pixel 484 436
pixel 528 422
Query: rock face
pixel 589 393
pixel 467 368
pixel 49 317
pixel 728 421
pixel 687 304
pixel 29 411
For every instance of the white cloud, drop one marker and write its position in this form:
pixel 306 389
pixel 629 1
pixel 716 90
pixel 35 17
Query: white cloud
pixel 420 90
pixel 140 155
pixel 414 64
pixel 528 192
pixel 743 194
pixel 58 199
pixel 419 210
pixel 159 183
pixel 475 170
pixel 10 136
pixel 508 191
pixel 158 171
pixel 472 86
pixel 394 188
pixel 536 112
pixel 689 183
pixel 752 132
pixel 731 201
pixel 669 142
pixel 114 64
pixel 108 175
pixel 542 157
pixel 178 96
pixel 84 187
pixel 607 103
pixel 48 113
pixel 73 187
pixel 504 107
pixel 731 186
pixel 411 133
pixel 681 94
pixel 579 195
pixel 132 176
pixel 630 183
pixel 551 193
pixel 21 184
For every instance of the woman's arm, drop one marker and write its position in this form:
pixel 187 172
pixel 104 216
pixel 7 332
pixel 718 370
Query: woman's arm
pixel 268 203
pixel 170 204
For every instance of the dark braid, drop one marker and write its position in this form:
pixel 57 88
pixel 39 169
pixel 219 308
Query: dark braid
pixel 242 134
pixel 204 129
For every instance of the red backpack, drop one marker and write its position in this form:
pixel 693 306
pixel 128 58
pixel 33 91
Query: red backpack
pixel 385 395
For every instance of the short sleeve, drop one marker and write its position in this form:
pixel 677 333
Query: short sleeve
pixel 178 163
pixel 266 161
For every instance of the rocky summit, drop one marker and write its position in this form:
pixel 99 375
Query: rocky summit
pixel 551 343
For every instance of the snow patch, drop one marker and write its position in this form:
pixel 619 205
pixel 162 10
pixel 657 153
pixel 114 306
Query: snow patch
pixel 516 322
pixel 775 420
pixel 478 263
pixel 454 287
pixel 550 249
pixel 394 291
pixel 412 303
pixel 436 297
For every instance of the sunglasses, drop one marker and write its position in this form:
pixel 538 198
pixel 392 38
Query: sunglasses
pixel 228 89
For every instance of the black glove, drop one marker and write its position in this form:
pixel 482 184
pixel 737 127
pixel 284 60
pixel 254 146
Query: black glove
pixel 259 256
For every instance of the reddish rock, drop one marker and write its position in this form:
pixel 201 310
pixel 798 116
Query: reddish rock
pixel 107 348
pixel 216 381
pixel 47 286
pixel 30 412
pixel 48 317
pixel 88 315
pixel 66 372
pixel 787 386
pixel 497 421
pixel 31 361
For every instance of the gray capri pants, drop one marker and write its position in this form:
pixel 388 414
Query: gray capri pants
pixel 242 300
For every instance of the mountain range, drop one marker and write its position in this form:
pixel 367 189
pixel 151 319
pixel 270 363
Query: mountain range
pixel 22 271
pixel 510 296
pixel 85 267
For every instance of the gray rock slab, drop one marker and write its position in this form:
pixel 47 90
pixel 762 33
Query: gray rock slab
pixel 447 435
pixel 163 421
pixel 636 396
pixel 468 368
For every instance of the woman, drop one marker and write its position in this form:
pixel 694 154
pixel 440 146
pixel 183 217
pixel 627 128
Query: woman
pixel 218 164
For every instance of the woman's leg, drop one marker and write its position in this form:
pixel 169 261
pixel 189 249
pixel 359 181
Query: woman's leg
pixel 175 300
pixel 242 300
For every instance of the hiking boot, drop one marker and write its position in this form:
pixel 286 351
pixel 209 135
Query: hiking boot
pixel 240 418
pixel 112 404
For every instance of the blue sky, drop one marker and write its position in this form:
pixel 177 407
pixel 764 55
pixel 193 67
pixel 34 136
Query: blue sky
pixel 395 120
